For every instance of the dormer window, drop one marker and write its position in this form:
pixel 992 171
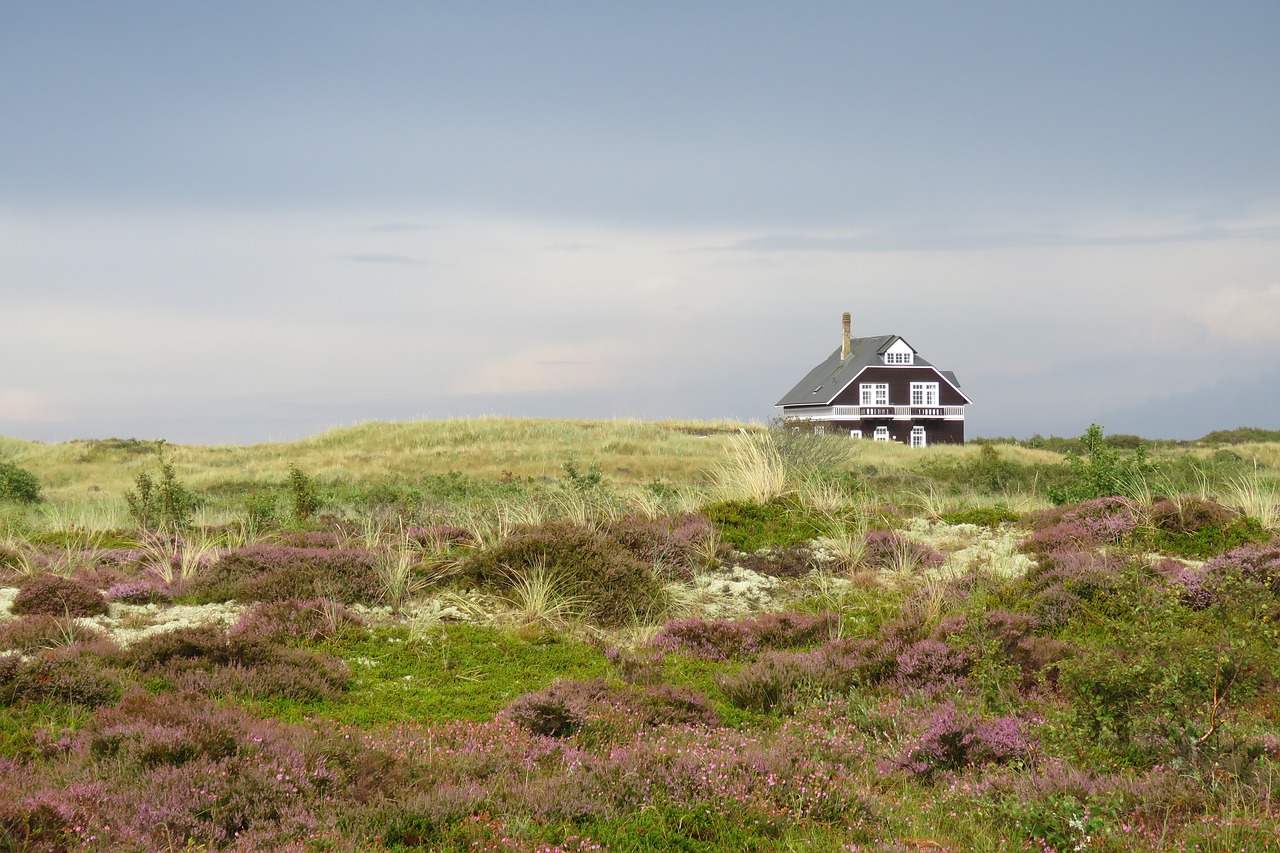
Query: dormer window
pixel 900 353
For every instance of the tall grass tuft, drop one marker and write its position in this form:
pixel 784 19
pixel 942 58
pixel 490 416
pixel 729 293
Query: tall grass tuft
pixel 396 568
pixel 540 597
pixel 846 541
pixel 176 558
pixel 754 469
pixel 1256 498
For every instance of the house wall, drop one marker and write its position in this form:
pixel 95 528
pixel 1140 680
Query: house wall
pixel 899 380
pixel 935 431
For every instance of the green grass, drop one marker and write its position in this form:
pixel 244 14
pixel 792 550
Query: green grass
pixel 454 672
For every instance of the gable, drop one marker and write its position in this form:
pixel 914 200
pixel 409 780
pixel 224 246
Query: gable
pixel 898 352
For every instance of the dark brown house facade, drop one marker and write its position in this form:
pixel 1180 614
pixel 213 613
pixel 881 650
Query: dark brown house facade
pixel 880 388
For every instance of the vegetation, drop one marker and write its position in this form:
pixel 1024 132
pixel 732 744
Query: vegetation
pixel 572 636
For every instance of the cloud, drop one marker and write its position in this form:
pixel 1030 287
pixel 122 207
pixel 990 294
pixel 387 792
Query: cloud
pixel 931 239
pixel 21 406
pixel 375 258
pixel 1242 315
pixel 546 368
pixel 397 227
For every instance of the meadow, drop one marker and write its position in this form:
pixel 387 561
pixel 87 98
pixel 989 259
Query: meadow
pixel 540 635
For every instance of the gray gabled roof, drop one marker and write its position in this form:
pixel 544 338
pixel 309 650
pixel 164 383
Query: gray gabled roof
pixel 820 386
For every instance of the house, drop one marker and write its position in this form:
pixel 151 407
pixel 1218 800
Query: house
pixel 879 388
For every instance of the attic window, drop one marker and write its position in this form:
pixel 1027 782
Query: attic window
pixel 898 357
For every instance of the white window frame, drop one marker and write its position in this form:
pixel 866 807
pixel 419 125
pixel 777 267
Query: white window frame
pixel 898 358
pixel 918 437
pixel 924 393
pixel 874 393
pixel 881 433
pixel 855 433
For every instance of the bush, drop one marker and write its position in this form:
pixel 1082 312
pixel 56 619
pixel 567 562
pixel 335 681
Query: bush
pixel 1257 564
pixel 1191 527
pixel 165 505
pixel 678 545
pixel 888 549
pixel 61 675
pixel 139 591
pixel 723 639
pixel 985 516
pixel 32 633
pixel 48 594
pixel 295 620
pixel 18 485
pixel 567 707
pixel 614 583
pixel 275 573
pixel 1101 471
pixel 304 494
pixel 951 739
pixel 207 659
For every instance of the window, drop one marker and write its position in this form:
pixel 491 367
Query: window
pixel 917 436
pixel 874 393
pixel 855 433
pixel 897 358
pixel 882 433
pixel 924 393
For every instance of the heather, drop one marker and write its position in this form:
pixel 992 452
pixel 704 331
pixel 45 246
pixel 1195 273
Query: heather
pixel 864 648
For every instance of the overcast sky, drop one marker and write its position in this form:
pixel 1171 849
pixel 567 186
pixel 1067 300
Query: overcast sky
pixel 241 221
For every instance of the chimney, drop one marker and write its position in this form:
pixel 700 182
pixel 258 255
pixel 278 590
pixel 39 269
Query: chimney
pixel 847 323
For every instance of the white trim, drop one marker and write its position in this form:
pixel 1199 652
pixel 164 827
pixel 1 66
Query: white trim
pixel 869 394
pixel 855 433
pixel 881 433
pixel 898 353
pixel 854 380
pixel 917 432
pixel 928 392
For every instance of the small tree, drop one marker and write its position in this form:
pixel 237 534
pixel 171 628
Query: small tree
pixel 165 505
pixel 1101 471
pixel 304 493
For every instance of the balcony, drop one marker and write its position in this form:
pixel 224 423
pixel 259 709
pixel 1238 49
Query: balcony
pixel 899 413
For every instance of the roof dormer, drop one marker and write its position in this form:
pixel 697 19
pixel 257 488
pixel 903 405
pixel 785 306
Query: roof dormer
pixel 899 352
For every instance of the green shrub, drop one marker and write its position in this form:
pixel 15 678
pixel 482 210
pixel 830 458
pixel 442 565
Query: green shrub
pixel 750 526
pixel 613 582
pixel 983 516
pixel 18 485
pixel 164 505
pixel 1241 435
pixel 1192 527
pixel 1101 471
pixel 304 494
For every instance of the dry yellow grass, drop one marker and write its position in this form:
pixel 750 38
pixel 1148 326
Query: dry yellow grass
pixel 626 451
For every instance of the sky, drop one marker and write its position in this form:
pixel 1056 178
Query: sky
pixel 238 222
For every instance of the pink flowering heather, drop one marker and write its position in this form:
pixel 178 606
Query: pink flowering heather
pixel 1257 564
pixel 722 639
pixel 889 549
pixel 950 739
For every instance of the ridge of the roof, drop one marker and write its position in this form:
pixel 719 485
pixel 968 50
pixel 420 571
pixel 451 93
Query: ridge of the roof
pixel 821 384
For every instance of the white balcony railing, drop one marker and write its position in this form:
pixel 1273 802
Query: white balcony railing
pixel 895 412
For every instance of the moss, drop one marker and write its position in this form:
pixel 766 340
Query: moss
pixel 1207 541
pixel 983 516
pixel 750 526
